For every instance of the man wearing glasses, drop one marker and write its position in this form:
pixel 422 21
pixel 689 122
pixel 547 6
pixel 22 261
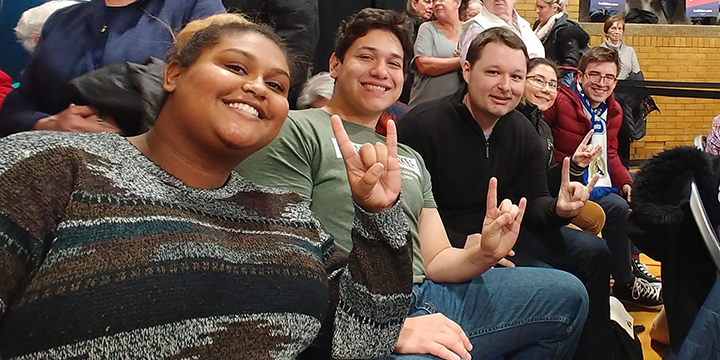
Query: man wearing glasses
pixel 588 104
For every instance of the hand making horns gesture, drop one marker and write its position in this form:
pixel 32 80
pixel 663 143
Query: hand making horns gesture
pixel 501 225
pixel 573 195
pixel 585 153
pixel 374 171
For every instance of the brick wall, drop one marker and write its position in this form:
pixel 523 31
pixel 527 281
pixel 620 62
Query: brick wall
pixel 673 53
pixel 666 53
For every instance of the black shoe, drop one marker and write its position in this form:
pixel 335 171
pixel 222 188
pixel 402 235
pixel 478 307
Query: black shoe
pixel 639 293
pixel 641 271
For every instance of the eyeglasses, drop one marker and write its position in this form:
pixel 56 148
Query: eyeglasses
pixel 540 83
pixel 596 78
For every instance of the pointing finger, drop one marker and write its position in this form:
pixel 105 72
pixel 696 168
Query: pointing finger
pixel 565 171
pixel 391 139
pixel 346 147
pixel 492 194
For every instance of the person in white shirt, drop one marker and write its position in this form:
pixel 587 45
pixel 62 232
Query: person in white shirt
pixel 499 13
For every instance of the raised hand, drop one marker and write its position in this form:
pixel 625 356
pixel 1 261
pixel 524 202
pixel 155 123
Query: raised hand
pixel 573 195
pixel 374 172
pixel 501 225
pixel 584 154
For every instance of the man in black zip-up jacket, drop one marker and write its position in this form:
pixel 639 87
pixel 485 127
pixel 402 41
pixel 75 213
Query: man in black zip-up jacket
pixel 475 134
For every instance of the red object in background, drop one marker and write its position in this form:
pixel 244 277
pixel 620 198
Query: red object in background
pixel 394 113
pixel 5 85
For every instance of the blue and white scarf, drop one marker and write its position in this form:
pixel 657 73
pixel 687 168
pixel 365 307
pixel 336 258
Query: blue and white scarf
pixel 599 165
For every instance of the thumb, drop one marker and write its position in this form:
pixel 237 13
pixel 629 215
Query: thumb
pixel 593 181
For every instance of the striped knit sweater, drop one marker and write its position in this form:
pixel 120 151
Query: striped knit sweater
pixel 103 255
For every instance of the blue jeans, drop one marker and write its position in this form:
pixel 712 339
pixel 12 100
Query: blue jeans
pixel 703 339
pixel 616 215
pixel 587 257
pixel 518 313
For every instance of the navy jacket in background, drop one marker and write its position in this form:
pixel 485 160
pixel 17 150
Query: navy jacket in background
pixel 66 46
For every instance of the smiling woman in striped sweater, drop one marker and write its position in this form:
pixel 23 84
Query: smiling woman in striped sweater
pixel 151 247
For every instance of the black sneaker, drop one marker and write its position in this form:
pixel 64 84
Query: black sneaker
pixel 640 293
pixel 641 271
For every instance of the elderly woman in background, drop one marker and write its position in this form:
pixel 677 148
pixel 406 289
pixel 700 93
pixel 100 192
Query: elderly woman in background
pixel 86 37
pixel 31 22
pixel 316 91
pixel 614 29
pixel 562 38
pixel 500 13
pixel 437 66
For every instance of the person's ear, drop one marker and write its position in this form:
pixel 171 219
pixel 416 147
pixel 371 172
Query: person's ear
pixel 466 71
pixel 334 64
pixel 173 70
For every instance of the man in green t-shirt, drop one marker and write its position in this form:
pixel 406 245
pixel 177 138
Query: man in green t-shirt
pixel 461 307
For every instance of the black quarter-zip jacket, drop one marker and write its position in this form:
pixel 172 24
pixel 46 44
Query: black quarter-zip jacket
pixel 461 163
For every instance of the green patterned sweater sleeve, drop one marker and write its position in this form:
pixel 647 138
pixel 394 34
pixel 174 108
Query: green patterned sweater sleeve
pixel 370 289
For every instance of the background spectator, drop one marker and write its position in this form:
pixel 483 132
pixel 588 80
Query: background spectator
pixel 85 37
pixel 317 91
pixel 437 66
pixel 470 8
pixel 614 29
pixel 500 13
pixel 32 20
pixel 562 38
pixel 419 12
pixel 712 144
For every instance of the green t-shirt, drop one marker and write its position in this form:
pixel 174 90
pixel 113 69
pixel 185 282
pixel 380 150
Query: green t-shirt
pixel 304 158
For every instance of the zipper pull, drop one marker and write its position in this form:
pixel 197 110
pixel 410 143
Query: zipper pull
pixel 487 149
pixel 103 28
